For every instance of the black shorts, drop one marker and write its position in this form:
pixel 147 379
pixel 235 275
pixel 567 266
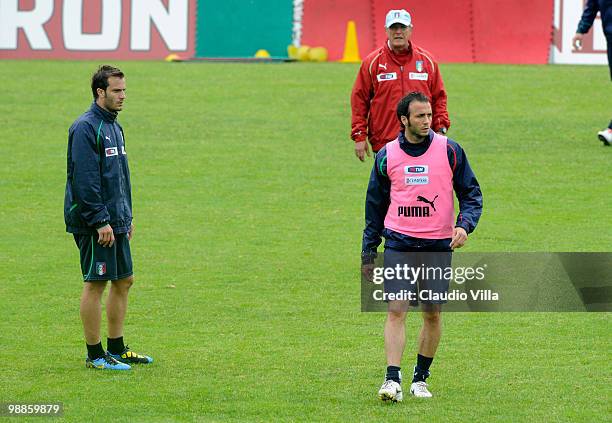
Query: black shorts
pixel 100 263
pixel 417 276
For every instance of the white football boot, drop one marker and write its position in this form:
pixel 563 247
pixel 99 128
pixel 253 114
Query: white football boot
pixel 391 391
pixel 605 136
pixel 419 390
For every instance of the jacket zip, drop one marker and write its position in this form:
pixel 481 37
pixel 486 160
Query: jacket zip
pixel 119 169
pixel 119 162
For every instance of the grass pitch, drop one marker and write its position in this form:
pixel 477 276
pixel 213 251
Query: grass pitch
pixel 248 207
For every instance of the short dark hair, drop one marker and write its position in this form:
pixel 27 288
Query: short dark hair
pixel 100 78
pixel 403 106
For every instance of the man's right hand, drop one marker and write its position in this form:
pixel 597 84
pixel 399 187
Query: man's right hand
pixel 361 149
pixel 367 265
pixel 577 41
pixel 106 238
pixel 367 271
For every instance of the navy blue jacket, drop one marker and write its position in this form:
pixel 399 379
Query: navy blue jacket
pixel 377 202
pixel 590 11
pixel 98 189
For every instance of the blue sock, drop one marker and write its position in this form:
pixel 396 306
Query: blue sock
pixel 421 370
pixel 394 373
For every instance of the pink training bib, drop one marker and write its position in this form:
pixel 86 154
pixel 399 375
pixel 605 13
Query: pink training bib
pixel 421 191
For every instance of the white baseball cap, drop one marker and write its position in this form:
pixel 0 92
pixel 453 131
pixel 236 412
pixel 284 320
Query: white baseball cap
pixel 398 16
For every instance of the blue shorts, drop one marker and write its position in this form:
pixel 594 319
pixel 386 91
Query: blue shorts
pixel 100 263
pixel 417 276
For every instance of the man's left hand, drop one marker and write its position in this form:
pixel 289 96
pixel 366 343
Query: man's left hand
pixel 459 238
pixel 131 232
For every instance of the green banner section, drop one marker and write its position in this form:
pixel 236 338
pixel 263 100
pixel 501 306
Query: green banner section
pixel 238 28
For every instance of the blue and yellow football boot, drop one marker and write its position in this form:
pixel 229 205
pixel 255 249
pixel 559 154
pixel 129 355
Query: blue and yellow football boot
pixel 130 357
pixel 108 362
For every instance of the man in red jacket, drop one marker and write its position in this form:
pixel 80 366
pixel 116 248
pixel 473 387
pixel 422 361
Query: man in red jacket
pixel 386 76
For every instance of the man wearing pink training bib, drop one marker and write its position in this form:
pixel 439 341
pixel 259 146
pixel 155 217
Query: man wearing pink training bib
pixel 410 203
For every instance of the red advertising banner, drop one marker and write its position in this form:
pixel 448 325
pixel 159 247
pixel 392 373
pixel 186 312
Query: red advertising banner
pixel 518 31
pixel 324 24
pixel 442 27
pixel 486 31
pixel 92 29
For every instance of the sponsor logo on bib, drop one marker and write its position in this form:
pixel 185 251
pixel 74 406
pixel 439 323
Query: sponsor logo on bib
pixel 417 180
pixel 413 211
pixel 416 169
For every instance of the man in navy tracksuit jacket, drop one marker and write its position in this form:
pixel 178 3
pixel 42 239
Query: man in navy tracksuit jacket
pixel 98 190
pixel 98 212
pixel 377 199
pixel 604 7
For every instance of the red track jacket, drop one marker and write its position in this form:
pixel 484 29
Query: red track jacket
pixel 383 80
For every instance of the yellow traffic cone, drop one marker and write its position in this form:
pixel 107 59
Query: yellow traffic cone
pixel 351 50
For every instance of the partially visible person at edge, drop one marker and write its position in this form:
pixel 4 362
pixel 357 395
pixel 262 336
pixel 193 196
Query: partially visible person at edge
pixel 604 7
pixel 410 203
pixel 385 77
pixel 98 212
